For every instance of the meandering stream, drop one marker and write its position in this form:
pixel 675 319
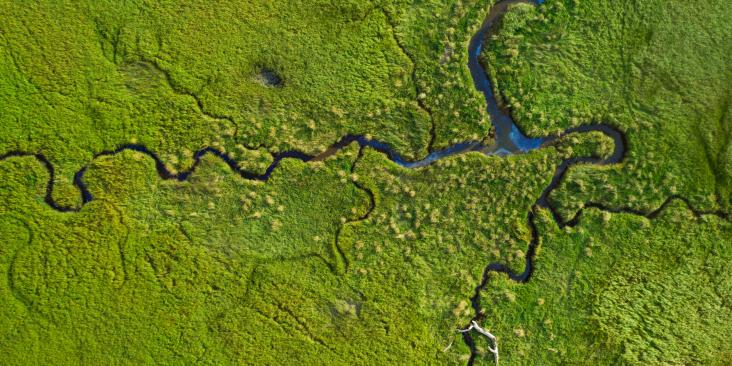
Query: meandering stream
pixel 508 140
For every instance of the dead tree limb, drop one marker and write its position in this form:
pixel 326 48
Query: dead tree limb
pixel 493 347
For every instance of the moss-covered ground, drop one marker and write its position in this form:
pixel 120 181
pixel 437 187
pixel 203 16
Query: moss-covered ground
pixel 354 259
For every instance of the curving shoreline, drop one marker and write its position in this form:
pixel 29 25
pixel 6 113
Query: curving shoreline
pixel 509 137
pixel 508 134
pixel 508 140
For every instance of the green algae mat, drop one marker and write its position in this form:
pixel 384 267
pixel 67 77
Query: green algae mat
pixel 389 182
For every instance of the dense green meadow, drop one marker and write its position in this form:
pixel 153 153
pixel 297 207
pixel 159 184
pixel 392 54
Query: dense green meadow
pixel 621 289
pixel 353 259
pixel 80 78
pixel 657 70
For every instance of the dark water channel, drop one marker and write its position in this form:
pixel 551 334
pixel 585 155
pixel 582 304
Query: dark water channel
pixel 509 139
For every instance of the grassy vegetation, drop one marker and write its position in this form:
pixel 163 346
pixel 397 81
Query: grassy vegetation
pixel 585 144
pixel 219 269
pixel 421 252
pixel 657 70
pixel 80 78
pixel 435 34
pixel 620 289
pixel 355 260
pixel 158 271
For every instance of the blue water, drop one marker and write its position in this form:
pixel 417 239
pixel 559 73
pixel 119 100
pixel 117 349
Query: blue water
pixel 508 140
pixel 523 142
pixel 509 137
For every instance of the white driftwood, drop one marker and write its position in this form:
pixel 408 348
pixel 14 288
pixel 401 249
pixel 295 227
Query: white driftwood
pixel 494 342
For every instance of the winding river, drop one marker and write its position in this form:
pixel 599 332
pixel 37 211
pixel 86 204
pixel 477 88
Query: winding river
pixel 508 140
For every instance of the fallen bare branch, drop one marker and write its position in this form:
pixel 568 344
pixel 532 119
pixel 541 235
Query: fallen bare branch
pixel 493 348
